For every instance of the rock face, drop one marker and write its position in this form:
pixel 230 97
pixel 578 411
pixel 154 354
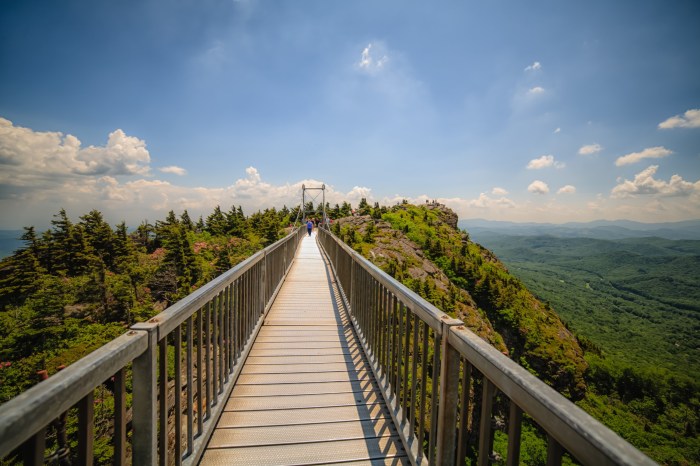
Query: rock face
pixel 446 215
pixel 405 260
pixel 422 247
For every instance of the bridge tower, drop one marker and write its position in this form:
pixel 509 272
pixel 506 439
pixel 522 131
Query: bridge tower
pixel 304 212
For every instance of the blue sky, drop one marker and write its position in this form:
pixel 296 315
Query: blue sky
pixel 547 111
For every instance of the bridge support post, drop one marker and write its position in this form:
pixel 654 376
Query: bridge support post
pixel 145 420
pixel 449 396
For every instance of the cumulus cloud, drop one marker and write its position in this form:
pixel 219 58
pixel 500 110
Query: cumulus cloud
pixel 648 153
pixel 173 169
pixel 568 189
pixel 645 183
pixel 690 119
pixel 536 90
pixel 27 156
pixel 544 162
pixel 484 201
pixel 557 131
pixel 370 62
pixel 534 67
pixel 590 149
pixel 538 187
pixel 499 191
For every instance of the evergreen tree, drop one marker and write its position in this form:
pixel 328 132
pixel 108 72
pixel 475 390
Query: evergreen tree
pixel 363 208
pixel 216 222
pixel 187 221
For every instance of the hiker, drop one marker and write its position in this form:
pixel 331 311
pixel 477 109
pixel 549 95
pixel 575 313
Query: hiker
pixel 309 226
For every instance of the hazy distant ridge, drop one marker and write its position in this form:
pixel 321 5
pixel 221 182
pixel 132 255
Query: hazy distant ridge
pixel 599 229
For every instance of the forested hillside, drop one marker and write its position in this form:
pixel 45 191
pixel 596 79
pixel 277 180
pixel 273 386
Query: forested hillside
pixel 78 285
pixel 638 300
pixel 634 304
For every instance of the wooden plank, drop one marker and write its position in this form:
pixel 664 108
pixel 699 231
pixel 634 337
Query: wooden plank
pixel 306 453
pixel 306 394
pixel 281 417
pixel 304 388
pixel 302 433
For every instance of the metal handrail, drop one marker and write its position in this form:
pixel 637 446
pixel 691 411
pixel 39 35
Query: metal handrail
pixel 214 327
pixel 433 400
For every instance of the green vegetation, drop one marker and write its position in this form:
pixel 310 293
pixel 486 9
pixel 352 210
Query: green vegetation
pixel 631 305
pixel 73 288
pixel 635 306
pixel 636 300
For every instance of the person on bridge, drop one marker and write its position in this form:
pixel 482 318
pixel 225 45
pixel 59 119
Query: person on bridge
pixel 309 226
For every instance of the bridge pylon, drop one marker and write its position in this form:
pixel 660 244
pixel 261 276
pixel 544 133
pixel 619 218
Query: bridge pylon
pixel 307 210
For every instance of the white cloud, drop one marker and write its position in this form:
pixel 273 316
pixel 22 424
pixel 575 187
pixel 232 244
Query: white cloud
pixel 28 156
pixel 568 189
pixel 175 170
pixel 690 119
pixel 535 90
pixel 558 130
pixel 499 191
pixel 534 67
pixel 648 153
pixel 544 162
pixel 590 149
pixel 486 202
pixel 538 187
pixel 370 63
pixel 645 183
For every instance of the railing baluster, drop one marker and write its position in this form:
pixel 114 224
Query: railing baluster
pixel 163 397
pixel 226 364
pixel 86 427
pixel 423 383
pixel 33 449
pixel 407 341
pixel 514 427
pixel 120 417
pixel 208 358
pixel 214 352
pixel 223 375
pixel 414 372
pixel 434 394
pixel 485 425
pixel 200 385
pixel 464 409
pixel 554 452
pixel 190 387
pixel 177 418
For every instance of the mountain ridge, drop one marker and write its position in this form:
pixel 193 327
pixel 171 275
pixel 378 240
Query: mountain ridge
pixel 600 229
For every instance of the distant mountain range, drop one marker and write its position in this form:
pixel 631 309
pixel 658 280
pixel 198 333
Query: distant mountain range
pixel 599 229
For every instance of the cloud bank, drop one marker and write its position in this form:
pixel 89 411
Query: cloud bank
pixel 42 172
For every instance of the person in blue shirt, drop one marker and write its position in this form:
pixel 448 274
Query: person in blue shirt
pixel 309 226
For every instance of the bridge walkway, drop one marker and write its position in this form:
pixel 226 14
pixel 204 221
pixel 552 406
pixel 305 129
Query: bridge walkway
pixel 306 394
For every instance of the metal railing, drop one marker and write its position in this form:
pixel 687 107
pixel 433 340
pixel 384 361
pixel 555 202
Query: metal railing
pixel 447 389
pixel 177 369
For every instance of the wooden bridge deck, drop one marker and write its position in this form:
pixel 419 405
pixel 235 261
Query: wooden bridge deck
pixel 306 394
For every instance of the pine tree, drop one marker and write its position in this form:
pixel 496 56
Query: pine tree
pixel 216 222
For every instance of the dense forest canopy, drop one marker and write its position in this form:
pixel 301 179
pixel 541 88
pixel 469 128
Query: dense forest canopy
pixel 74 287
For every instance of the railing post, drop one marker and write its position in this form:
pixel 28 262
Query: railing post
pixel 145 421
pixel 449 396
